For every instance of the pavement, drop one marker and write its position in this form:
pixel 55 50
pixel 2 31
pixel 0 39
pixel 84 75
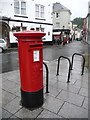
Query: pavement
pixel 64 100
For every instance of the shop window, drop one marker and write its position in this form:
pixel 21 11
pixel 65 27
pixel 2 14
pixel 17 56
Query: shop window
pixel 17 29
pixel 37 29
pixel 42 29
pixel 24 28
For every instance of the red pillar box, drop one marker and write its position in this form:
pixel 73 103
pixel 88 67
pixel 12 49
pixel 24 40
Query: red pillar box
pixel 31 67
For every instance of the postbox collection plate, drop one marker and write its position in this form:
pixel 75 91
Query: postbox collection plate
pixel 36 55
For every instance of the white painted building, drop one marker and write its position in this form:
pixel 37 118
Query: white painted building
pixel 22 15
pixel 88 24
pixel 61 17
pixel 89 16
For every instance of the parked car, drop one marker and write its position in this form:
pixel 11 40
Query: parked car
pixel 3 45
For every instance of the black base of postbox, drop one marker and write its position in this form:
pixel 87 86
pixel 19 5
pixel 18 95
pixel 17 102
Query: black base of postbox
pixel 32 99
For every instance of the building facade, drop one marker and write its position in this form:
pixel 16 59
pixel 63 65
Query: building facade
pixel 88 24
pixel 25 15
pixel 61 18
pixel 89 19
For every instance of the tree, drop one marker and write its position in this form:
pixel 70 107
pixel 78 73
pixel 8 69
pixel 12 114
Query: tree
pixel 79 22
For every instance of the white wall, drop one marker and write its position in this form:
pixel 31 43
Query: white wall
pixel 6 8
pixel 64 19
pixel 89 7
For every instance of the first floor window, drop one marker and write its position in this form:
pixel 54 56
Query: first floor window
pixel 19 7
pixel 23 8
pixel 57 24
pixel 57 15
pixel 42 11
pixel 39 10
pixel 16 7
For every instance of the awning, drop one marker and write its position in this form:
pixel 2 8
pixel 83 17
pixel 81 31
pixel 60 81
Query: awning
pixel 56 33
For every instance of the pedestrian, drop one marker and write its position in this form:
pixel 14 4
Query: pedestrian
pixel 54 40
pixel 70 38
pixel 58 41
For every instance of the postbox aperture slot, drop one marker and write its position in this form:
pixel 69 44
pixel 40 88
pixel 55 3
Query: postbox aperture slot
pixel 35 45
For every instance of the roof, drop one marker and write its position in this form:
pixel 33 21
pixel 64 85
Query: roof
pixel 58 6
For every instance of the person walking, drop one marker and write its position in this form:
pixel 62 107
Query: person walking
pixel 58 41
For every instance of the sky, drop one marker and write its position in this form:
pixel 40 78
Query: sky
pixel 79 8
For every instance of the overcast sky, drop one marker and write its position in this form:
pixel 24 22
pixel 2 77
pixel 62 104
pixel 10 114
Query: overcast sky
pixel 79 8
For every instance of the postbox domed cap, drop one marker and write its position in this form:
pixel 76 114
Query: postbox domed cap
pixel 29 33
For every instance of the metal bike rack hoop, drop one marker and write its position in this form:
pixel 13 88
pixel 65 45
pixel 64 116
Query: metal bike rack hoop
pixel 83 61
pixel 47 76
pixel 69 66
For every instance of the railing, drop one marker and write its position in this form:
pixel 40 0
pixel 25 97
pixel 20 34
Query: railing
pixel 47 76
pixel 69 67
pixel 83 61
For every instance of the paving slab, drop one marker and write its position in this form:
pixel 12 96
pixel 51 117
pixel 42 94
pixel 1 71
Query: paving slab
pixel 25 113
pixel 13 106
pixel 71 98
pixel 63 78
pixel 53 91
pixel 7 97
pixel 52 104
pixel 81 83
pixel 71 111
pixel 48 114
pixel 13 117
pixel 66 87
pixel 85 104
pixel 83 92
pixel 10 86
pixel 6 114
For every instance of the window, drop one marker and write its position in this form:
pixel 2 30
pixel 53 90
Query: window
pixel 57 24
pixel 42 11
pixel 42 29
pixel 39 10
pixel 16 7
pixel 19 7
pixel 37 29
pixel 1 41
pixel 48 33
pixel 24 28
pixel 23 8
pixel 17 29
pixel 57 15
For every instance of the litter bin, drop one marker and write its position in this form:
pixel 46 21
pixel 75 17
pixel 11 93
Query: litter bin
pixel 31 67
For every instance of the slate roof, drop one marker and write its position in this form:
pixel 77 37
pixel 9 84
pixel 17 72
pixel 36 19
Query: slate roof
pixel 58 6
